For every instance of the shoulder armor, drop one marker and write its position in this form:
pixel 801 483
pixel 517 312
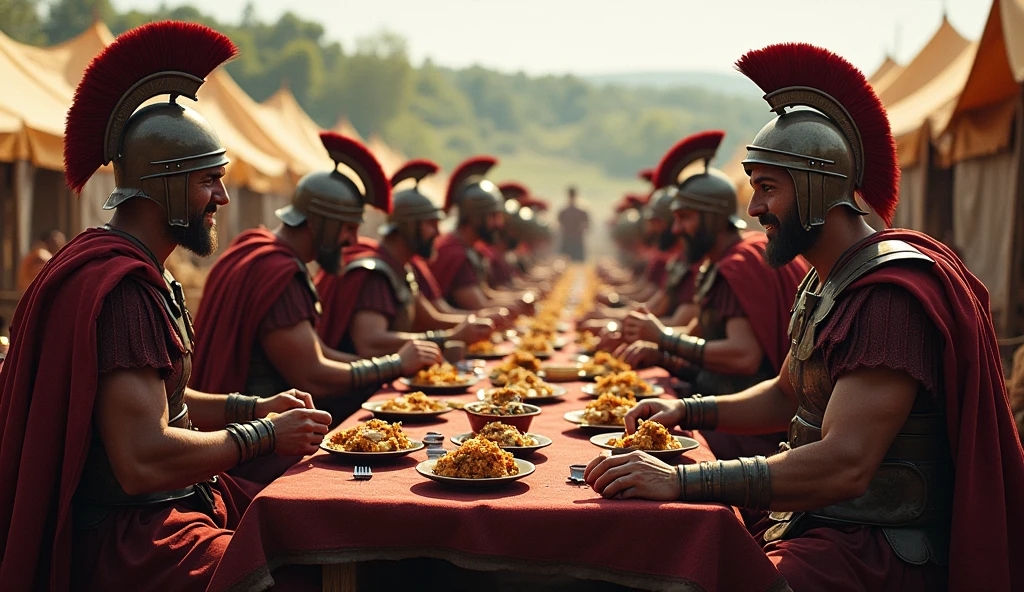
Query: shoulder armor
pixel 399 282
pixel 705 281
pixel 811 309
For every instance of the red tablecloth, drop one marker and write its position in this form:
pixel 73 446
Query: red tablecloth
pixel 318 514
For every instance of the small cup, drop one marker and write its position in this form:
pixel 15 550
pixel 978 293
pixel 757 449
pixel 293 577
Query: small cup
pixel 454 351
pixel 576 472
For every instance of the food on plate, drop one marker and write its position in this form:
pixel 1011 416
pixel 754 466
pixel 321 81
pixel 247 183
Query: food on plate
pixel 481 348
pixel 477 459
pixel 623 384
pixel 503 434
pixel 519 359
pixel 375 435
pixel 604 363
pixel 503 401
pixel 649 435
pixel 438 375
pixel 413 403
pixel 531 384
pixel 587 341
pixel 537 343
pixel 607 410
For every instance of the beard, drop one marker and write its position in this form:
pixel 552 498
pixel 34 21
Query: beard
pixel 196 237
pixel 424 248
pixel 667 240
pixel 699 244
pixel 329 260
pixel 486 234
pixel 790 238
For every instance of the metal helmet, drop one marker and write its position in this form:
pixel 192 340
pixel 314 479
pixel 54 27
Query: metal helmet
pixel 517 212
pixel 659 206
pixel 410 206
pixel 708 191
pixel 826 151
pixel 154 149
pixel 475 196
pixel 328 199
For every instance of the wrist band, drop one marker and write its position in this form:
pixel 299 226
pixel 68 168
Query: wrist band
pixel 239 408
pixel 688 347
pixel 701 413
pixel 254 438
pixel 743 482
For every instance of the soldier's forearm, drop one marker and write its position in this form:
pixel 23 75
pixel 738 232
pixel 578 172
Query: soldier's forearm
pixel 761 409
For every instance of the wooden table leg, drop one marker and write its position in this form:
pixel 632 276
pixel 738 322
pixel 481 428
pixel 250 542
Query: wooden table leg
pixel 339 577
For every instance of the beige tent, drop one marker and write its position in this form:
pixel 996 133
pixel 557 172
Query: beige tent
pixel 919 115
pixel 885 73
pixel 982 141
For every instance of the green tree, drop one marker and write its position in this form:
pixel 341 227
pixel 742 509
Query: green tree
pixel 68 18
pixel 375 82
pixel 19 20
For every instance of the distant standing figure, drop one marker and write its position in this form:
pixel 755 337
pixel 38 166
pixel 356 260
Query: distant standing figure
pixel 42 250
pixel 574 223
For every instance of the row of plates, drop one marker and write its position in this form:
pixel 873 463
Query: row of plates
pixel 426 468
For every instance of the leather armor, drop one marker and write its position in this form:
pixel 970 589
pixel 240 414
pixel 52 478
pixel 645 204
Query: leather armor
pixel 712 327
pixel 403 285
pixel 909 497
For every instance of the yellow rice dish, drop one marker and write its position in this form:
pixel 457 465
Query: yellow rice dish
pixel 650 435
pixel 373 436
pixel 413 403
pixel 503 434
pixel 477 459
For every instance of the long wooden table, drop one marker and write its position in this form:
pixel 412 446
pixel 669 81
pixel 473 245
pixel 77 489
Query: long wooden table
pixel 317 514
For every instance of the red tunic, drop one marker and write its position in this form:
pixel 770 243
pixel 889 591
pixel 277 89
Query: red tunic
pixel 248 278
pixel 425 278
pixel 47 390
pixel 987 536
pixel 451 266
pixel 160 546
pixel 358 289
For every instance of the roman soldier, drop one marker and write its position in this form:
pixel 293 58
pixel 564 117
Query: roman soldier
pixel 902 469
pixel 376 305
pixel 105 476
pixel 261 306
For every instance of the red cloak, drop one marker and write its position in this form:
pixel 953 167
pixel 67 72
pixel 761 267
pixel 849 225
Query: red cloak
pixel 451 256
pixel 425 278
pixel 987 538
pixel 766 294
pixel 338 292
pixel 242 286
pixel 47 390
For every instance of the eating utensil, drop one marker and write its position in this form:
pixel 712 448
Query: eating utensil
pixel 362 473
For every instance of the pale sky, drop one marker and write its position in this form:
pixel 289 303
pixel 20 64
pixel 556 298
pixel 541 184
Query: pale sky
pixel 602 36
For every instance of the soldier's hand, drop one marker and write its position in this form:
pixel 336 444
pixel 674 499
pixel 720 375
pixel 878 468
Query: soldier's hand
pixel 667 413
pixel 417 355
pixel 299 431
pixel 633 475
pixel 473 329
pixel 610 341
pixel 291 399
pixel 638 354
pixel 642 325
pixel 500 316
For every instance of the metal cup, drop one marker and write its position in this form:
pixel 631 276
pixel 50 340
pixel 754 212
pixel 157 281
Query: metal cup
pixel 454 351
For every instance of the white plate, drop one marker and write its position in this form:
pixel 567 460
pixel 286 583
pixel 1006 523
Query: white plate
pixel 416 445
pixel 656 391
pixel 517 451
pixel 443 389
pixel 406 416
pixel 576 417
pixel 557 393
pixel 426 468
pixel 601 441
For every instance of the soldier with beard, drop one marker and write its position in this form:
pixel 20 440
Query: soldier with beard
pixel 902 469
pixel 738 337
pixel 259 309
pixel 106 481
pixel 459 267
pixel 376 303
